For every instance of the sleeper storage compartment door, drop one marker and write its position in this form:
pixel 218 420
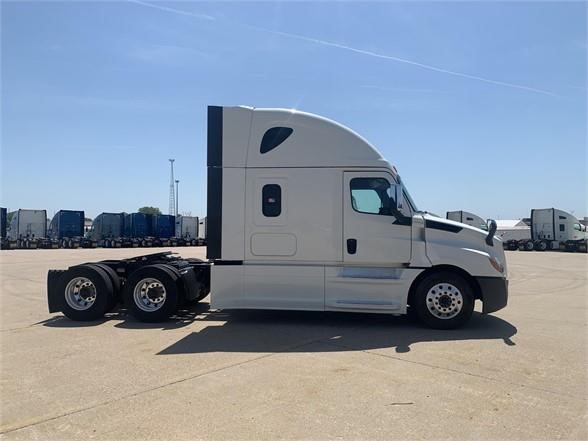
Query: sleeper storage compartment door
pixel 299 287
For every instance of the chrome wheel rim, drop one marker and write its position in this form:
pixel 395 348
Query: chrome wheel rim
pixel 444 301
pixel 149 294
pixel 80 293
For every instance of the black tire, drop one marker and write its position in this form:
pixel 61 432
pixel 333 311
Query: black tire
pixel 169 280
pixel 103 289
pixel 116 284
pixel 529 246
pixel 444 279
pixel 541 246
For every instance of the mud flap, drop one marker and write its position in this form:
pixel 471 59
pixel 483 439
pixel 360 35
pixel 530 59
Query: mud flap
pixel 54 297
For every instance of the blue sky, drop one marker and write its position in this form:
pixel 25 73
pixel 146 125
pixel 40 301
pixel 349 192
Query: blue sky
pixel 480 105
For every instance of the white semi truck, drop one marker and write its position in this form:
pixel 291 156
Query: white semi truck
pixel 28 229
pixel 303 214
pixel 553 229
pixel 546 229
pixel 465 217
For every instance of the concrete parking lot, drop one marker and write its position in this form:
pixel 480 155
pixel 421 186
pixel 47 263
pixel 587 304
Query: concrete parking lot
pixel 520 373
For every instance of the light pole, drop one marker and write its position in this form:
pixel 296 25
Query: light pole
pixel 177 196
pixel 171 188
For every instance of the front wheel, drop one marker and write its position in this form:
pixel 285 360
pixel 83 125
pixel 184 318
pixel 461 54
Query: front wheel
pixel 444 300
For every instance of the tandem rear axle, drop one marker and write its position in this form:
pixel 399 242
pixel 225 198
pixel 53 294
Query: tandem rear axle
pixel 150 286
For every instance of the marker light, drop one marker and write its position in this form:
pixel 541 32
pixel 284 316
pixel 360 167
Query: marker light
pixel 496 264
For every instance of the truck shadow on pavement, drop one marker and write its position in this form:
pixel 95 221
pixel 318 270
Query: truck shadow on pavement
pixel 288 331
pixel 260 331
pixel 182 318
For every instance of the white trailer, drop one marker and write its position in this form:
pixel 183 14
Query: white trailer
pixel 304 214
pixel 28 229
pixel 465 217
pixel 202 231
pixel 187 230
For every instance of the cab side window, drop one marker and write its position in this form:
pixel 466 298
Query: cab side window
pixel 372 196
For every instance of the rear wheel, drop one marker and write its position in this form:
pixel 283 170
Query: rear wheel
pixel 116 284
pixel 87 292
pixel 152 293
pixel 541 246
pixel 444 300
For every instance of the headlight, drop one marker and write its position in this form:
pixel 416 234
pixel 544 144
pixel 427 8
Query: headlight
pixel 496 264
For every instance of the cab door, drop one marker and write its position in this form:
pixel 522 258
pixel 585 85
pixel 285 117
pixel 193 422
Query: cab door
pixel 376 229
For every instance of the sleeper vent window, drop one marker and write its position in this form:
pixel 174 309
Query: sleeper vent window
pixel 274 137
pixel 271 200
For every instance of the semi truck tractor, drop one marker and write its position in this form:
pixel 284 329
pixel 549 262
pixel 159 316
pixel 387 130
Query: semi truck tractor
pixel 553 229
pixel 28 229
pixel 164 230
pixel 187 230
pixel 108 231
pixel 303 214
pixel 67 228
pixel 467 218
pixel 138 227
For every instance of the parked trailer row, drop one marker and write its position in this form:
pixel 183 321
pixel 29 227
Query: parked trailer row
pixel 30 229
pixel 121 230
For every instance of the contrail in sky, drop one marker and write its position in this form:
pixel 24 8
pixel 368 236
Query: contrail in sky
pixel 353 49
pixel 173 10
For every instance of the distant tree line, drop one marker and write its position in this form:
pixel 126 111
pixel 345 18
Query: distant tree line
pixel 149 210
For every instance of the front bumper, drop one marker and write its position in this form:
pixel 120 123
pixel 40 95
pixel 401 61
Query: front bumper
pixel 494 293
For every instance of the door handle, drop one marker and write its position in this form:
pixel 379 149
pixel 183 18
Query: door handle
pixel 351 246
